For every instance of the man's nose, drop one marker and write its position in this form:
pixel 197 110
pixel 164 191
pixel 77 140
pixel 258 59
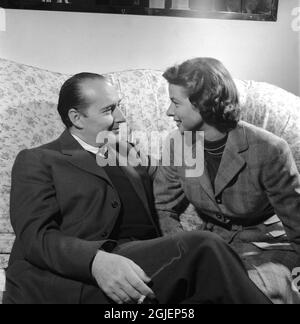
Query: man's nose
pixel 119 118
pixel 170 111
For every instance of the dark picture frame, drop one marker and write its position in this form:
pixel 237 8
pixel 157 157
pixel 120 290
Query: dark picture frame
pixel 257 10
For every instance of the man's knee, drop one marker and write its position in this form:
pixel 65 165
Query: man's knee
pixel 202 239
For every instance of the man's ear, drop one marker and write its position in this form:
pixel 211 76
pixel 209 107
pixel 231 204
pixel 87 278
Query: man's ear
pixel 75 118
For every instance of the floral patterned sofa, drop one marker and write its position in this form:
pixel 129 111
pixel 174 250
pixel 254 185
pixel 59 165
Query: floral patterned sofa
pixel 28 118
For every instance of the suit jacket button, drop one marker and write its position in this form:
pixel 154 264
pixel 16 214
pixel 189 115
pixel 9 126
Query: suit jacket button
pixel 115 204
pixel 220 217
pixel 219 201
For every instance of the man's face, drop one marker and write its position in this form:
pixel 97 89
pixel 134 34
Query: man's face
pixel 184 113
pixel 102 112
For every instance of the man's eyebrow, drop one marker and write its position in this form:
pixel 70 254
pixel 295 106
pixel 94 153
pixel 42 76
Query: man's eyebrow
pixel 114 104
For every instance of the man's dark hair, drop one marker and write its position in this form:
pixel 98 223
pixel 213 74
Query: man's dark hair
pixel 71 96
pixel 211 90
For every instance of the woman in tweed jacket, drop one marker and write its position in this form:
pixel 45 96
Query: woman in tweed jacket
pixel 249 192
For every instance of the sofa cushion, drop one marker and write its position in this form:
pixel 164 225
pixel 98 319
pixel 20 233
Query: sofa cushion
pixel 28 116
pixel 275 110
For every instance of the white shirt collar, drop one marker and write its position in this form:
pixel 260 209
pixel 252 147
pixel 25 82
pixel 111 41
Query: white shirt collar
pixel 86 146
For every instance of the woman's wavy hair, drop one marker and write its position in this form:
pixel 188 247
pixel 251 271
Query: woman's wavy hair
pixel 211 90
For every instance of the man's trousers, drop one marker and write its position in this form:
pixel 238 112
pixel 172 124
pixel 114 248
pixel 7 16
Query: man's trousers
pixel 186 268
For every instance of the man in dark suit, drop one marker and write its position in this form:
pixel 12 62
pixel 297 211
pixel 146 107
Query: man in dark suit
pixel 88 234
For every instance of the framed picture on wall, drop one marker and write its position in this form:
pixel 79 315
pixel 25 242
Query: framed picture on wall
pixel 263 10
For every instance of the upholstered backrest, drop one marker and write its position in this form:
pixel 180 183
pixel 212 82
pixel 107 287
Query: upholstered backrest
pixel 275 110
pixel 28 116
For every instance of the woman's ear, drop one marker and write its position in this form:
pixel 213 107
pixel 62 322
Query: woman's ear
pixel 75 118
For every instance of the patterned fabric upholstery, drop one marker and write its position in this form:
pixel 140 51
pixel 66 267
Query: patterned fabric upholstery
pixel 275 110
pixel 28 116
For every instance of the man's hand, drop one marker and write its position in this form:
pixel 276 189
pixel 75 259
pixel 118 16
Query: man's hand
pixel 120 278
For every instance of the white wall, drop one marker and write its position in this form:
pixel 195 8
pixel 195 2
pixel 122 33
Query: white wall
pixel 298 32
pixel 73 42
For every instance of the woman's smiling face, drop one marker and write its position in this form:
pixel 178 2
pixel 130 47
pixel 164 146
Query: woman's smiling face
pixel 186 116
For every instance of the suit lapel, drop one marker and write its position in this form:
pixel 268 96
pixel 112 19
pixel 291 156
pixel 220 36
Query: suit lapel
pixel 205 183
pixel 81 158
pixel 85 161
pixel 232 161
pixel 137 184
pixel 132 173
